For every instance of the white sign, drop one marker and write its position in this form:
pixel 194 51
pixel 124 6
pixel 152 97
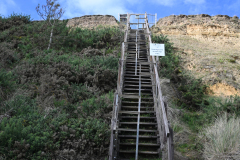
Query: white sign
pixel 157 49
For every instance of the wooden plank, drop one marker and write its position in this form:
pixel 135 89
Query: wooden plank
pixel 134 130
pixel 134 136
pixel 142 73
pixel 140 144
pixel 130 96
pixel 170 145
pixel 112 126
pixel 143 123
pixel 141 152
pixel 140 42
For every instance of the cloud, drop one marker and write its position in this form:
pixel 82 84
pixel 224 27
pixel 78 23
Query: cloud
pixel 194 1
pixel 170 3
pixel 234 6
pixel 165 2
pixel 77 8
pixel 5 5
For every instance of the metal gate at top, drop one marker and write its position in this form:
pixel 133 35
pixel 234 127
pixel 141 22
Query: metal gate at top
pixel 137 21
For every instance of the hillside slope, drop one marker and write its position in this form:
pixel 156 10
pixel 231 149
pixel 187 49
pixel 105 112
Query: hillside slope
pixel 208 46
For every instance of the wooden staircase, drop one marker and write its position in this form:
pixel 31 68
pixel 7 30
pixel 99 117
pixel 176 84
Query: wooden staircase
pixel 139 128
pixel 135 81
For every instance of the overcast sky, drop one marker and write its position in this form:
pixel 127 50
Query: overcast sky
pixel 163 8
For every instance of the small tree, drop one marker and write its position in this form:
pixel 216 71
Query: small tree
pixel 51 14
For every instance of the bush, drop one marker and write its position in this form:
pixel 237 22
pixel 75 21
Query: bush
pixel 210 109
pixel 192 93
pixel 222 139
pixel 14 20
pixel 98 106
pixel 31 132
pixel 7 83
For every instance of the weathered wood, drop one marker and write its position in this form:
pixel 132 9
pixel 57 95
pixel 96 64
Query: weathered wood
pixel 170 145
pixel 112 126
pixel 134 136
pixel 134 130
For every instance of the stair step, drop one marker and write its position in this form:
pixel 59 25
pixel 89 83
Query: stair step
pixel 143 85
pixel 135 89
pixel 143 94
pixel 140 152
pixel 141 73
pixel 127 82
pixel 137 79
pixel 136 96
pixel 135 130
pixel 137 117
pixel 141 123
pixel 135 112
pixel 132 107
pixel 136 102
pixel 135 75
pixel 134 136
pixel 140 144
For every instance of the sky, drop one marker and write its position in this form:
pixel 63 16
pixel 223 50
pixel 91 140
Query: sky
pixel 163 8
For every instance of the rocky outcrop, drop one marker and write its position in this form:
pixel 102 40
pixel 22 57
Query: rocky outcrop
pixel 90 21
pixel 199 25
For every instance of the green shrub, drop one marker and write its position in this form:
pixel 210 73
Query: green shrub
pixel 210 109
pixel 13 20
pixel 32 129
pixel 192 93
pixel 7 83
pixel 98 105
pixel 80 93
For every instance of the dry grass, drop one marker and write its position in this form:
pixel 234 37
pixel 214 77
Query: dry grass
pixel 214 60
pixel 222 139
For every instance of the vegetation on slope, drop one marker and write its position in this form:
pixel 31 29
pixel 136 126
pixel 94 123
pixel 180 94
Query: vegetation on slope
pixel 203 114
pixel 55 103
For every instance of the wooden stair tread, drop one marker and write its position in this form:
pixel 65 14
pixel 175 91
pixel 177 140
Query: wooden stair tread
pixel 135 130
pixel 143 123
pixel 140 144
pixel 141 152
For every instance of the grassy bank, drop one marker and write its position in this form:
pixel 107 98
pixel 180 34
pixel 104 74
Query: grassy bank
pixel 56 103
pixel 198 112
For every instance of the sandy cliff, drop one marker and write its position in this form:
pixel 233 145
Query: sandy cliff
pixel 90 21
pixel 208 47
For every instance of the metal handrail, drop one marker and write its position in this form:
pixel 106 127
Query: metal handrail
pixel 139 106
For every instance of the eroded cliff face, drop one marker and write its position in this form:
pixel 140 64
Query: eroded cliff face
pixel 203 26
pixel 208 47
pixel 90 21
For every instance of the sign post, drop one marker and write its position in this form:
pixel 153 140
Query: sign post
pixel 157 49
